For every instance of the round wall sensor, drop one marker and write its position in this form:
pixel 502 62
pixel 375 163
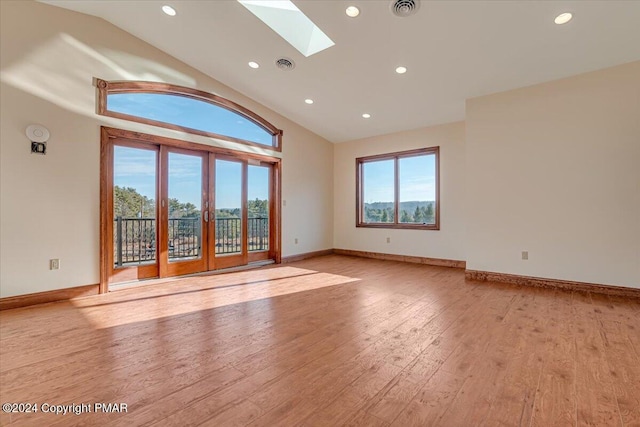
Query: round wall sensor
pixel 37 133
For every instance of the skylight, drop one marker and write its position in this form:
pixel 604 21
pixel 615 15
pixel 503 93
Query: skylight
pixel 283 17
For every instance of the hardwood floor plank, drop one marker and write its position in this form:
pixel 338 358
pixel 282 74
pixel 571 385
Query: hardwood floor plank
pixel 364 419
pixel 203 401
pixel 290 413
pixel 473 401
pixel 623 360
pixel 369 384
pixel 523 341
pixel 240 414
pixel 391 400
pixel 328 341
pixel 335 413
pixel 428 406
pixel 556 400
pixel 597 405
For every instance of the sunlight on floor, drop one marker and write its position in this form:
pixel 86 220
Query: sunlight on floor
pixel 192 294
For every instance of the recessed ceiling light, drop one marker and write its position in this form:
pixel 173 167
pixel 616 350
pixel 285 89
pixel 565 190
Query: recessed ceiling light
pixel 352 11
pixel 366 115
pixel 169 10
pixel 308 101
pixel 253 64
pixel 401 70
pixel 563 18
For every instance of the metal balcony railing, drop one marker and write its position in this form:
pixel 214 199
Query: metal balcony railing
pixel 135 238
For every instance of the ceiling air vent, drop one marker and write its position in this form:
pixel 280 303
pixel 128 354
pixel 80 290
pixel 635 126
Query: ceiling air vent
pixel 404 8
pixel 285 64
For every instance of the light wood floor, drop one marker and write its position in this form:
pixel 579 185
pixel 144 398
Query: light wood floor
pixel 324 342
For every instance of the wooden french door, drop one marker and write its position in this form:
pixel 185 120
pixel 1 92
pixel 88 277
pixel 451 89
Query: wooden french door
pixel 170 210
pixel 129 189
pixel 230 212
pixel 261 229
pixel 184 211
pixel 241 226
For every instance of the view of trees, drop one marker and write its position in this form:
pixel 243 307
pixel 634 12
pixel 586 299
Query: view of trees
pixel 128 203
pixel 182 210
pixel 135 215
pixel 410 212
pixel 256 208
pixel 231 229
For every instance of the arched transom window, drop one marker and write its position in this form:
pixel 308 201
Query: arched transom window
pixel 185 109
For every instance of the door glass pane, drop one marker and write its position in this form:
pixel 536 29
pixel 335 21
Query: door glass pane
pixel 417 185
pixel 134 206
pixel 228 213
pixel 378 181
pixel 258 208
pixel 185 207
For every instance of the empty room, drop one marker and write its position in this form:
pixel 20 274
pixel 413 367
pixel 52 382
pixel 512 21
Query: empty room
pixel 320 213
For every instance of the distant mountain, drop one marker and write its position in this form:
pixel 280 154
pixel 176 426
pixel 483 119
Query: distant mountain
pixel 407 206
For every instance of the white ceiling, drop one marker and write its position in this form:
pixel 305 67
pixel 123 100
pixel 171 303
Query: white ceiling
pixel 453 50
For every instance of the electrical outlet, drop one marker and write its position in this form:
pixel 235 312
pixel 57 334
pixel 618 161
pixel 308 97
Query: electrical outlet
pixel 525 255
pixel 295 240
pixel 54 264
pixel 388 239
pixel 284 203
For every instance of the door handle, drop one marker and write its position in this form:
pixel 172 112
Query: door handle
pixel 206 216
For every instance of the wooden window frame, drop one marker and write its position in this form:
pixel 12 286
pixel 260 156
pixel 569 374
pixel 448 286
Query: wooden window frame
pixel 105 88
pixel 143 140
pixel 396 156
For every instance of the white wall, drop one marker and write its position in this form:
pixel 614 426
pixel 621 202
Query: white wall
pixel 555 169
pixel 446 243
pixel 552 168
pixel 49 205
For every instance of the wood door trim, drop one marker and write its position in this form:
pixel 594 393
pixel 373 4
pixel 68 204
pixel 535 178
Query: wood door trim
pixel 106 229
pixel 179 143
pixel 177 267
pixel 147 141
pixel 211 225
pixel 275 224
pixel 257 256
pixel 234 259
pixel 245 214
pixel 107 269
pixel 162 228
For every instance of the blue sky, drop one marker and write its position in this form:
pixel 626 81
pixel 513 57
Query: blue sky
pixel 137 168
pixel 416 174
pixel 190 113
pixel 185 178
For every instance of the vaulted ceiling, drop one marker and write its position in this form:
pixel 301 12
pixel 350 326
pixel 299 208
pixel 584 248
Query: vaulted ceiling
pixel 453 50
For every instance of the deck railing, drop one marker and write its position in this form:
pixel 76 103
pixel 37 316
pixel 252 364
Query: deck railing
pixel 135 238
